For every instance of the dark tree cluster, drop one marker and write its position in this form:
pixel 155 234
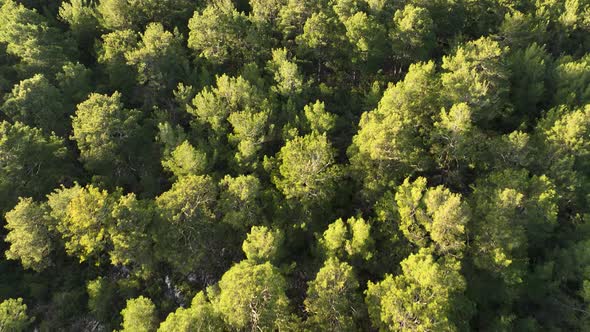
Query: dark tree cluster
pixel 294 165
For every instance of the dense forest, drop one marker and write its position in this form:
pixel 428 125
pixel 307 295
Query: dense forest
pixel 295 165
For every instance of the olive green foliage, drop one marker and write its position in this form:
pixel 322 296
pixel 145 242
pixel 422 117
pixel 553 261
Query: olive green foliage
pixel 351 238
pixel 295 165
pixel 240 201
pixel 432 217
pixel 32 163
pixel 13 315
pixel 40 47
pixel 85 222
pixel 307 170
pixel 36 103
pixel 186 160
pixel 188 226
pixel 28 234
pixel 412 36
pixel 333 301
pixel 139 315
pixel 262 245
pixel 218 33
pixel 477 75
pixel 422 298
pixel 390 138
pixel 200 316
pixel 252 296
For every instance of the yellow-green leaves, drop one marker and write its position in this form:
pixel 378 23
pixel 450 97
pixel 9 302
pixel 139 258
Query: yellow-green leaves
pixel 240 201
pixel 422 298
pixel 307 170
pixel 477 74
pixel 262 244
pixel 513 213
pixel 85 224
pixel 218 33
pixel 433 217
pixel 412 35
pixel 333 302
pixel 391 139
pixel 200 316
pixel 351 238
pixel 139 315
pixel 105 132
pixel 186 160
pixel 32 164
pixel 287 76
pixel 320 121
pixel 13 315
pixel 252 296
pixel 28 226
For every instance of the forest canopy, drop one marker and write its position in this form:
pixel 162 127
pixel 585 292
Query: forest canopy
pixel 295 165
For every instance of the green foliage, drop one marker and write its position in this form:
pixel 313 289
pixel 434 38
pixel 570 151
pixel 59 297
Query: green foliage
pixel 320 121
pixel 85 222
pixel 388 143
pixel 218 33
pixel 36 103
pixel 200 316
pixel 240 201
pixel 75 82
pixel 139 315
pixel 513 215
pixel 28 36
pixel 29 235
pixel 115 14
pixel 455 139
pixel 235 107
pixel 188 234
pixel 570 78
pixel 323 39
pixel 521 29
pixel 288 79
pixel 111 54
pixel 31 163
pixel 262 245
pixel 106 135
pixel 529 70
pixel 564 134
pixel 159 60
pixel 186 160
pixel 368 37
pixel 272 160
pixel 266 11
pixel 134 14
pixel 132 234
pixel 13 315
pixel 307 170
pixel 252 296
pixel 476 74
pixel 82 18
pixel 101 294
pixel 422 298
pixel 292 16
pixel 412 36
pixel 352 237
pixel 333 301
pixel 432 217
